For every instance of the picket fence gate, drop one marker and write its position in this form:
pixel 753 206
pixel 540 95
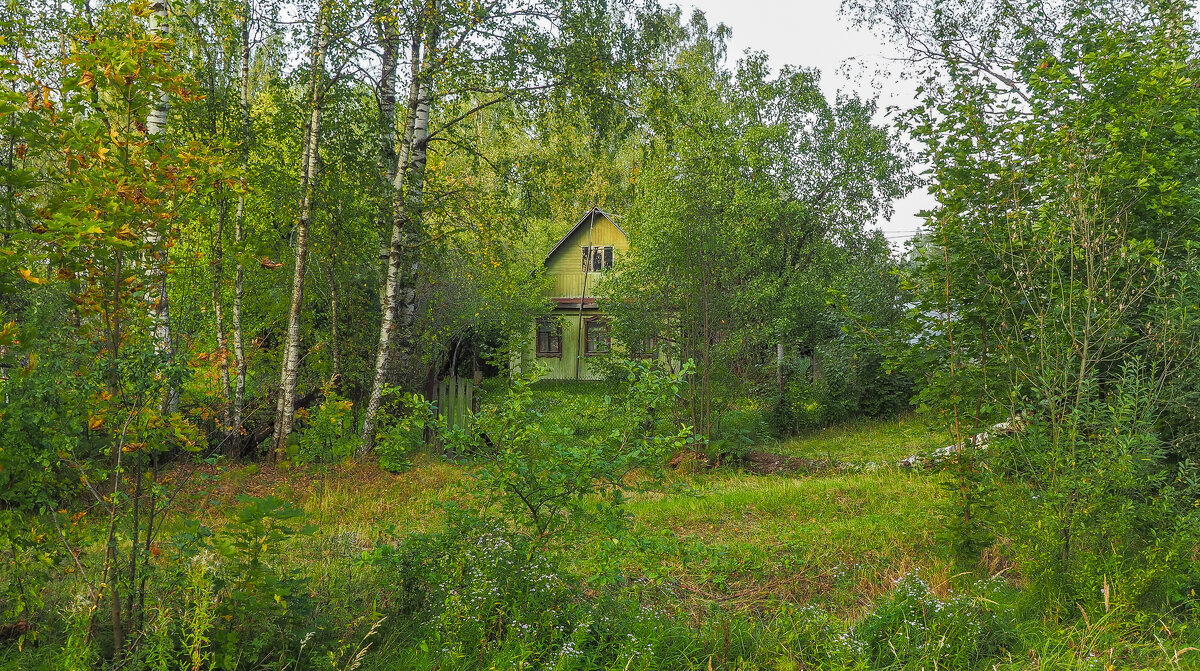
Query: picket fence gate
pixel 455 399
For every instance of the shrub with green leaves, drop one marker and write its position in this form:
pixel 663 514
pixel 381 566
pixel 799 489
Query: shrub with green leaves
pixel 1093 509
pixel 544 479
pixel 477 591
pixel 329 433
pixel 402 425
pixel 261 604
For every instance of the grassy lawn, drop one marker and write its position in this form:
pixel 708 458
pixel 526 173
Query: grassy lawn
pixel 868 440
pixel 738 540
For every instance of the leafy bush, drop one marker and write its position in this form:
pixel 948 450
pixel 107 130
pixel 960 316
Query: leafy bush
pixel 402 423
pixel 542 478
pixel 328 436
pixel 737 431
pixel 259 603
pixel 477 591
pixel 848 380
pixel 1093 510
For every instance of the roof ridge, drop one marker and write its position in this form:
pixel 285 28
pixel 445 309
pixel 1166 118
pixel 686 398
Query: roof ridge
pixel 594 209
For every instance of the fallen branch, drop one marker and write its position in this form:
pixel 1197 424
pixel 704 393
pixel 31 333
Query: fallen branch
pixel 979 441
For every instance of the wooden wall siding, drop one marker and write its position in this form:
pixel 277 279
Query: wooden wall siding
pixel 565 267
pixel 563 367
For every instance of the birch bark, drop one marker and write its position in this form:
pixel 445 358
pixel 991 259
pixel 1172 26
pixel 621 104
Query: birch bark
pixel 234 440
pixel 286 405
pixel 406 216
pixel 218 280
pixel 160 313
pixel 389 39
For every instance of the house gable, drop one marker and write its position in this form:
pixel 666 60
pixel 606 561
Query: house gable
pixel 564 263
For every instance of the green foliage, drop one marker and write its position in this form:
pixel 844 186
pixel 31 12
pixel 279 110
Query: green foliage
pixel 843 378
pixel 328 435
pixel 261 603
pixel 477 591
pixel 545 479
pixel 736 235
pixel 818 640
pixel 739 430
pixel 402 426
pixel 1095 513
pixel 28 563
pixel 1049 288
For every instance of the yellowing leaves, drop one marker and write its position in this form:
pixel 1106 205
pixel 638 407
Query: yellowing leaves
pixel 95 422
pixel 29 276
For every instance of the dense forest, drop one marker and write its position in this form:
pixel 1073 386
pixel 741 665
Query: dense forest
pixel 275 306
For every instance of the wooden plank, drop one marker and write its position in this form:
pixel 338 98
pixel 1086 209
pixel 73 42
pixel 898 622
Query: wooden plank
pixel 460 398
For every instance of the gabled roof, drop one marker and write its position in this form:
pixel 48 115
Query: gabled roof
pixel 587 216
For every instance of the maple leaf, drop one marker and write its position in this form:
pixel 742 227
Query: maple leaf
pixel 29 276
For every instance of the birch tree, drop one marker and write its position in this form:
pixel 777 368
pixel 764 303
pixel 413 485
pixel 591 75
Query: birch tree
pixel 285 408
pixel 505 53
pixel 239 222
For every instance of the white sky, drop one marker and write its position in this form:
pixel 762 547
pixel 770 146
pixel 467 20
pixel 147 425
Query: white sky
pixel 810 33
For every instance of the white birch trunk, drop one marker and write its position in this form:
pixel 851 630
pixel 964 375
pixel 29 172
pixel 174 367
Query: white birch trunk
pixel 218 280
pixel 405 220
pixel 159 308
pixel 389 38
pixel 286 407
pixel 234 439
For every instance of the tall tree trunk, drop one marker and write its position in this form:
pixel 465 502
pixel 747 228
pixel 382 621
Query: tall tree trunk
pixel 218 280
pixel 419 97
pixel 234 440
pixel 286 406
pixel 388 34
pixel 335 335
pixel 414 206
pixel 779 367
pixel 160 314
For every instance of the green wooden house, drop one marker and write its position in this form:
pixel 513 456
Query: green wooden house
pixel 575 333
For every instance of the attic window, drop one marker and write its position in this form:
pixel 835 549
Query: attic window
pixel 597 258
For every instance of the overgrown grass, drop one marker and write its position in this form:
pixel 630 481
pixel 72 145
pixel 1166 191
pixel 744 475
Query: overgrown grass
pixel 882 440
pixel 840 570
pixel 839 540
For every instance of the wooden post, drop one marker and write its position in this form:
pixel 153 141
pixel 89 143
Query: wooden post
pixel 579 338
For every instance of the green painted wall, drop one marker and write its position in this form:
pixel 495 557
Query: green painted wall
pixel 565 267
pixel 563 367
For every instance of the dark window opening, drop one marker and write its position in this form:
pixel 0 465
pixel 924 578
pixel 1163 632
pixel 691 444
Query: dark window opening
pixel 596 338
pixel 549 338
pixel 596 259
pixel 645 347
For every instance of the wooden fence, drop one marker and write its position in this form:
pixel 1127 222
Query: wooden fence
pixel 455 401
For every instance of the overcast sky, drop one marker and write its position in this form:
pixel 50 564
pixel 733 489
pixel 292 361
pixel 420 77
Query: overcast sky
pixel 810 33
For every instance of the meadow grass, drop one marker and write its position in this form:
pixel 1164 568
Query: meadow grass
pixel 839 539
pixel 738 563
pixel 868 440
